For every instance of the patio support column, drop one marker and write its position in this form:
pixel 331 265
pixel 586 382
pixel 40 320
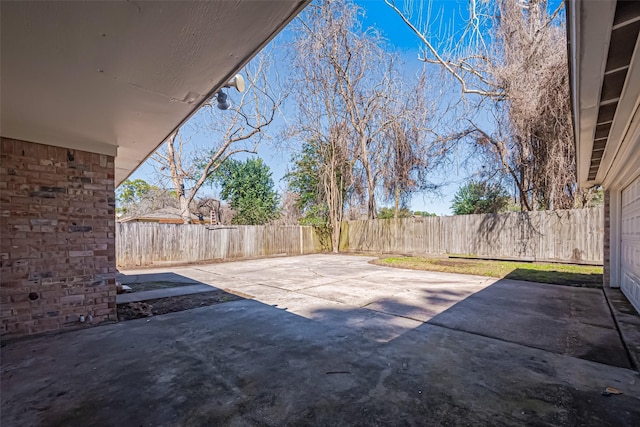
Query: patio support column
pixel 57 250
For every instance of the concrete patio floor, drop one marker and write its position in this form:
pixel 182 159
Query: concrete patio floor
pixel 332 340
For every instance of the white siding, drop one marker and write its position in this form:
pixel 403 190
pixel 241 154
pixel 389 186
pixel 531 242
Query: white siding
pixel 630 243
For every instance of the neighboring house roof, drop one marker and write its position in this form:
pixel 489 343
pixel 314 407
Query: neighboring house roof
pixel 116 77
pixel 159 215
pixel 604 60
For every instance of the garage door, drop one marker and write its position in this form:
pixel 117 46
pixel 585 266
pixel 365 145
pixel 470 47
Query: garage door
pixel 630 243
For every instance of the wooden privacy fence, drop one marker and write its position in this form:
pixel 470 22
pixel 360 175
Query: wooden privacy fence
pixel 562 236
pixel 140 244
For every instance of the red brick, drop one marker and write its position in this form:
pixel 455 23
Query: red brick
pixel 72 299
pixel 80 253
pixel 37 245
pixel 103 312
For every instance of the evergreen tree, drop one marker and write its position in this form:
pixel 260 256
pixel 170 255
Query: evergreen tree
pixel 478 198
pixel 249 189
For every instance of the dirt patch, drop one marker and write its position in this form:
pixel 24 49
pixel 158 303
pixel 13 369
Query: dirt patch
pixel 154 307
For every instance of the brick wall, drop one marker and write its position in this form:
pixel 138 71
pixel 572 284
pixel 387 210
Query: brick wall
pixel 606 253
pixel 57 244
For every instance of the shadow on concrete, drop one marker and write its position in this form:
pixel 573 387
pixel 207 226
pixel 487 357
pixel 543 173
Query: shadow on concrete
pixel 148 281
pixel 562 278
pixel 563 320
pixel 507 354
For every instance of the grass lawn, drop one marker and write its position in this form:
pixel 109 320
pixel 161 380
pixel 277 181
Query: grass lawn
pixel 560 274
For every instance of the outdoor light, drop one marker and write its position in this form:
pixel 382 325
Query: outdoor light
pixel 238 82
pixel 223 104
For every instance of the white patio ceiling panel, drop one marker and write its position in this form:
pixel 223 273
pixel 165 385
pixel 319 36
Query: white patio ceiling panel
pixel 119 77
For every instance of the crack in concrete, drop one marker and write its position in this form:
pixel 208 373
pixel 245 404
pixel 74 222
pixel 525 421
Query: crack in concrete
pixel 393 315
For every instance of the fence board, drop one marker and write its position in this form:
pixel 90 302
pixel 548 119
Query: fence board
pixel 140 244
pixel 562 236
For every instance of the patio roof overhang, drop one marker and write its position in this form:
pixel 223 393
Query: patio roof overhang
pixel 604 59
pixel 118 78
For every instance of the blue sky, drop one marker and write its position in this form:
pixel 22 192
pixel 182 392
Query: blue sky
pixel 400 39
pixel 382 17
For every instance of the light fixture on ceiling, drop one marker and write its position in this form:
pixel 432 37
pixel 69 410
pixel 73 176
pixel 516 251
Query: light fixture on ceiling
pixel 238 82
pixel 223 103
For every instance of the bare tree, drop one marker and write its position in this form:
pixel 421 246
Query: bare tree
pixel 237 130
pixel 289 209
pixel 412 150
pixel 351 86
pixel 534 72
pixel 510 59
pixel 362 84
pixel 464 54
pixel 152 199
pixel 364 123
pixel 320 120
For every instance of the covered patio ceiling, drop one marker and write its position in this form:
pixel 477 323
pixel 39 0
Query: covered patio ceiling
pixel 604 58
pixel 117 78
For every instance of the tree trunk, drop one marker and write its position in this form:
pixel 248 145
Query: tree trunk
pixel 371 198
pixel 397 204
pixel 373 214
pixel 335 238
pixel 185 211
